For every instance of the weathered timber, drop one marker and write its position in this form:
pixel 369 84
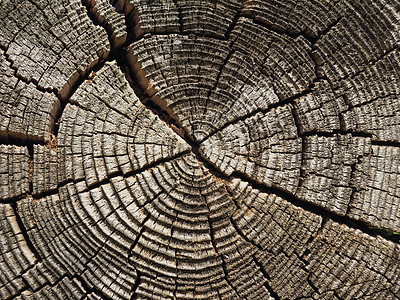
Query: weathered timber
pixel 230 149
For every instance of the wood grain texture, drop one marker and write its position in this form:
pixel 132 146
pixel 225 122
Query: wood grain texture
pixel 199 149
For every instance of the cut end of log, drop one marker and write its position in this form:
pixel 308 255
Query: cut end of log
pixel 216 150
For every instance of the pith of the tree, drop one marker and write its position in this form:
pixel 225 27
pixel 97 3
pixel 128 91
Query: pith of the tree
pixel 199 150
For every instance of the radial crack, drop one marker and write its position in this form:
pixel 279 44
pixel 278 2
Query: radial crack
pixel 134 172
pixel 267 277
pixel 318 210
pixel 24 233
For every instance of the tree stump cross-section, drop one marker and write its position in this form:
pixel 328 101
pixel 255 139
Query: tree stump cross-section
pixel 228 149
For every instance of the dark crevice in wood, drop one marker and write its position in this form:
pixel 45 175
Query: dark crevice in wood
pixel 251 114
pixel 97 251
pixel 55 191
pixel 352 185
pixel 310 37
pixel 17 140
pixel 233 122
pixel 135 287
pixel 233 24
pixel 278 30
pixel 267 277
pixel 337 295
pixel 231 196
pixel 240 232
pixel 227 58
pixel 322 33
pixel 312 285
pixel 26 283
pixel 30 167
pixel 370 62
pixel 180 17
pixel 281 103
pixel 71 90
pixel 112 55
pixel 52 284
pixel 312 238
pixel 14 137
pixel 192 33
pixel 131 16
pixel 133 172
pixel 94 17
pixel 118 55
pixel 137 238
pixel 89 290
pixel 139 275
pixel 299 127
pixel 217 79
pixel 365 227
pixel 214 245
pixel 169 119
pixel 14 199
pixel 352 106
pixel 385 143
pixel 362 69
pixel 180 130
pixel 153 103
pixel 336 132
pixel 24 233
pixel 23 79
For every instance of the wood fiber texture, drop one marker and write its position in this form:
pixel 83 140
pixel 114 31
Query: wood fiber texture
pixel 228 149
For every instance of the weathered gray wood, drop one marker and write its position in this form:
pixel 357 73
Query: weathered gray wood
pixel 329 163
pixel 264 147
pixel 14 172
pixel 199 149
pixel 106 130
pixel 45 169
pixel 27 114
pixel 376 199
pixel 113 21
pixel 51 43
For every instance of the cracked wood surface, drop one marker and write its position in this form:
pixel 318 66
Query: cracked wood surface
pixel 238 149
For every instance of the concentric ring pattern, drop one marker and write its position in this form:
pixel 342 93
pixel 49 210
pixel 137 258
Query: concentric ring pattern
pixel 199 149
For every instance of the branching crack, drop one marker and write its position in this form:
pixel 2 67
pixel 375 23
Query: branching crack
pixel 180 130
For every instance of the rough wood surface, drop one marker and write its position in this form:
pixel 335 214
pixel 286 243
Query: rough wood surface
pixel 230 149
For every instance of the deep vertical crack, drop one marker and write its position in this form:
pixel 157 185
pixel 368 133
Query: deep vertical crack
pixel 24 233
pixel 180 16
pixel 135 287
